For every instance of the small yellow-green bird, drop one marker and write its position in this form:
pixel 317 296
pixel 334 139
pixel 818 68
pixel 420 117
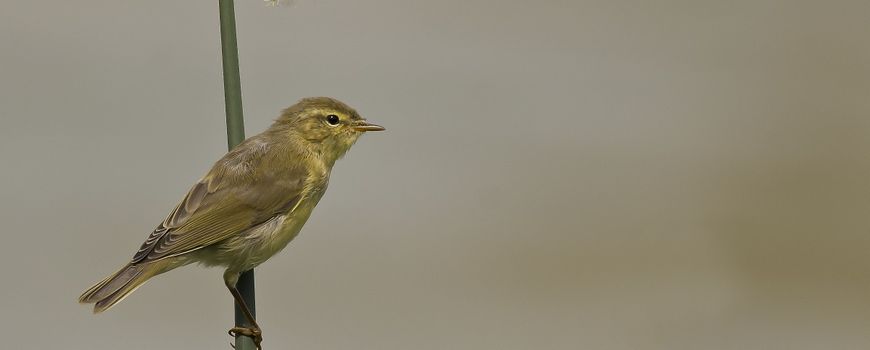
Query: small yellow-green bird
pixel 250 204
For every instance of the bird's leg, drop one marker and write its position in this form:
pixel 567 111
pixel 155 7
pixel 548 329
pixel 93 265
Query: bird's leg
pixel 253 331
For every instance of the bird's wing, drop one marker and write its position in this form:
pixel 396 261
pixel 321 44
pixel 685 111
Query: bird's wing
pixel 221 205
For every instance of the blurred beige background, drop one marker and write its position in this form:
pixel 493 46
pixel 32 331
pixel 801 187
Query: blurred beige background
pixel 555 175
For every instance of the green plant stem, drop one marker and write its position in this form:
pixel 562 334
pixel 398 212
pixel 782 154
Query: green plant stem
pixel 235 135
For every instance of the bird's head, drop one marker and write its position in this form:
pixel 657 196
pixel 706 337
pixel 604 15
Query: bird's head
pixel 329 126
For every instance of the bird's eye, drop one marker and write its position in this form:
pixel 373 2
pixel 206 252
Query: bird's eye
pixel 332 119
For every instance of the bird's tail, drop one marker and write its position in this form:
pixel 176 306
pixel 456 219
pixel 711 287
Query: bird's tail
pixel 118 285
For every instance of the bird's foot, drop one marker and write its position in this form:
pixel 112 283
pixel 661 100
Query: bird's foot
pixel 254 333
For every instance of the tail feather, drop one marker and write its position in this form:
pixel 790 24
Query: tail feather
pixel 111 284
pixel 117 286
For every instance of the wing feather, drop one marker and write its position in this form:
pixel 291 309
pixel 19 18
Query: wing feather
pixel 225 203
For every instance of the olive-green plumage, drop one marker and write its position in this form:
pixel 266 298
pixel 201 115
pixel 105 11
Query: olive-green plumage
pixel 250 204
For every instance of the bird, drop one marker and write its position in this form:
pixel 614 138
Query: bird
pixel 249 205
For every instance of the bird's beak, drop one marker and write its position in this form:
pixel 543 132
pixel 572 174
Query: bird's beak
pixel 363 125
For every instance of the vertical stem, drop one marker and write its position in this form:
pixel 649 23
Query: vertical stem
pixel 232 84
pixel 235 135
